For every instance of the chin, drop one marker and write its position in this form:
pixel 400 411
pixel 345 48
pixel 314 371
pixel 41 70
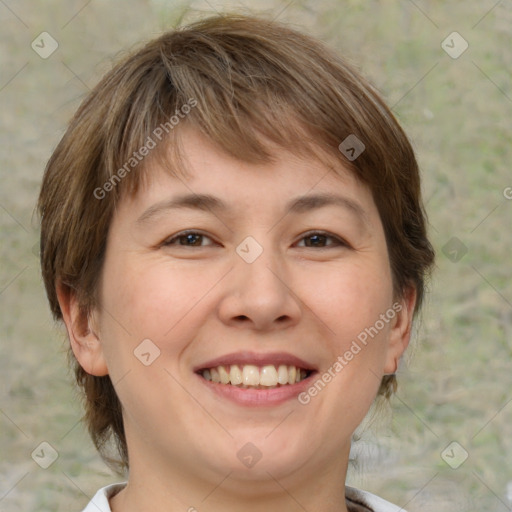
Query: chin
pixel 273 454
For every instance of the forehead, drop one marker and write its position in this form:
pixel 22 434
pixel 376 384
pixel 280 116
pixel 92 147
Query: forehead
pixel 206 179
pixel 199 163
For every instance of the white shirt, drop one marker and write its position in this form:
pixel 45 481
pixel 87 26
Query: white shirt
pixel 357 500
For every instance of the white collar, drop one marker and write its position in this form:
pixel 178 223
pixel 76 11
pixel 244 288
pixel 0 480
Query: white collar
pixel 360 500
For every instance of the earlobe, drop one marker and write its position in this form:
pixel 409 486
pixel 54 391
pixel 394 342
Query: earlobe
pixel 400 334
pixel 82 333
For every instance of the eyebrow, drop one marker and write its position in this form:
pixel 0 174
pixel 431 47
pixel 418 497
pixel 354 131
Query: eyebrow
pixel 207 202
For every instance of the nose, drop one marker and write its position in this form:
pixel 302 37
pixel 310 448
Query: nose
pixel 260 294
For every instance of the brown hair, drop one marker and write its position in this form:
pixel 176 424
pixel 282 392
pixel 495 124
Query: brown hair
pixel 247 82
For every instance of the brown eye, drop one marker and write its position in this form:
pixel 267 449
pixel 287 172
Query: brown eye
pixel 320 239
pixel 187 239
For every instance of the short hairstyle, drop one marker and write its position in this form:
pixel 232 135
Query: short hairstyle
pixel 247 84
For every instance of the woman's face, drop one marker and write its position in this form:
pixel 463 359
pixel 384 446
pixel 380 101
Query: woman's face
pixel 287 268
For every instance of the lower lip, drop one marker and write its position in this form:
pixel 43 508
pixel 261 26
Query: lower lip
pixel 258 397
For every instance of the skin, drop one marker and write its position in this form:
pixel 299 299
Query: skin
pixel 201 301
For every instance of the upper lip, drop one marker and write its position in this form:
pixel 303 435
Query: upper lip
pixel 246 357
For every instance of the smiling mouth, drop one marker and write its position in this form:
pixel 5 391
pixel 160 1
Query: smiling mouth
pixel 255 377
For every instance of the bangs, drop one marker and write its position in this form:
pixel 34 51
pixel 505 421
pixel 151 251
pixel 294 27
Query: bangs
pixel 240 90
pixel 250 147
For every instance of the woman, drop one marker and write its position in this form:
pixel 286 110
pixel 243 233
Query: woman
pixel 233 234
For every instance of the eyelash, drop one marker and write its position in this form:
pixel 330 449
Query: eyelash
pixel 339 242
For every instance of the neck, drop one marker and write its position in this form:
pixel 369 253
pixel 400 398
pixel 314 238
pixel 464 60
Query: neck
pixel 154 488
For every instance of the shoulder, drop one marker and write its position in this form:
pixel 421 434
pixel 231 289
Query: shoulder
pixel 99 502
pixel 366 502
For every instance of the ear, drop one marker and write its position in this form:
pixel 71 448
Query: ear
pixel 82 333
pixel 400 333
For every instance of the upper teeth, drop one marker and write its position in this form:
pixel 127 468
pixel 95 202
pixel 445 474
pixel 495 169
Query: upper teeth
pixel 251 375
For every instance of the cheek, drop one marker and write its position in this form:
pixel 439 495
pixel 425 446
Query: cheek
pixel 348 299
pixel 146 319
pixel 351 303
pixel 152 300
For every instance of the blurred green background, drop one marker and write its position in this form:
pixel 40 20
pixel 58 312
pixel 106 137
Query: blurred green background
pixel 456 383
